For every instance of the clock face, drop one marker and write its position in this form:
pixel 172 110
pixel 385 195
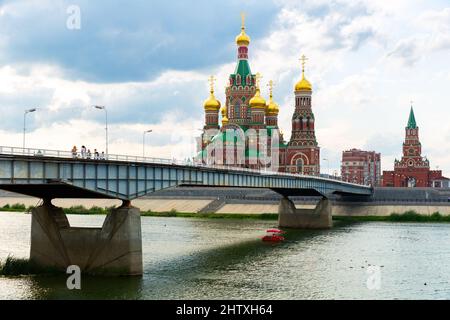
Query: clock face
pixel 410 163
pixel 411 151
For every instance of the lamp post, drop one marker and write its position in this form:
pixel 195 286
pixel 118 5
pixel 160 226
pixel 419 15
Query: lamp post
pixel 328 166
pixel 106 126
pixel 143 142
pixel 24 125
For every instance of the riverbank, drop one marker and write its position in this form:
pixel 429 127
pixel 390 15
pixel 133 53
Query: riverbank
pixel 19 267
pixel 408 216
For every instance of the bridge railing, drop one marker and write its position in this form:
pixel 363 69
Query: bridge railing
pixel 33 152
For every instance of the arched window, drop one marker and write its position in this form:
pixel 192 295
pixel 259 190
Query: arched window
pixel 237 109
pixel 301 123
pixel 299 165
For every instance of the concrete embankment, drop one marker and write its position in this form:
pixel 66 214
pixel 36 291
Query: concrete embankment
pixel 384 202
pixel 156 205
pixel 351 209
pixel 196 205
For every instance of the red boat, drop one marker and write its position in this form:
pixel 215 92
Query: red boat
pixel 273 235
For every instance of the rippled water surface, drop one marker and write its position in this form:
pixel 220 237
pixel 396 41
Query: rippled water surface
pixel 226 259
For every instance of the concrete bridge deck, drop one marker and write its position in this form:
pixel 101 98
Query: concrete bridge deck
pixel 59 174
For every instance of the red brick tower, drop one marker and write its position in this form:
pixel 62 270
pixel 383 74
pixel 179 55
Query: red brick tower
pixel 303 152
pixel 412 170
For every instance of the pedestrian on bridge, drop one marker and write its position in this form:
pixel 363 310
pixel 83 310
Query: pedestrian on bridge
pixel 74 152
pixel 83 152
pixel 88 154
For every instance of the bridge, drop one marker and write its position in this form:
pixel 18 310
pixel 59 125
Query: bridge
pixel 117 247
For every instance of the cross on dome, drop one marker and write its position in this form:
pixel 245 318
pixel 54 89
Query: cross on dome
pixel 258 78
pixel 303 59
pixel 271 85
pixel 211 81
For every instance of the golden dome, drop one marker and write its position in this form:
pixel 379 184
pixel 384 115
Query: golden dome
pixel 303 85
pixel 211 104
pixel 257 101
pixel 272 108
pixel 243 39
pixel 224 115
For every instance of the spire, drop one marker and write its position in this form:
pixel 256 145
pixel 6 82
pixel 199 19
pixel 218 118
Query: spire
pixel 412 120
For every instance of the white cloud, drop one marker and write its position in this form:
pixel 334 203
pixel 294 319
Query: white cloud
pixel 367 61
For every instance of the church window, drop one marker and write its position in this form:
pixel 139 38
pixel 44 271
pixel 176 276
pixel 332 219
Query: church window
pixel 237 109
pixel 299 165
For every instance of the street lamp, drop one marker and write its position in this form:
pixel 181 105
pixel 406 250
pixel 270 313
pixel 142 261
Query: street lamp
pixel 24 125
pixel 106 125
pixel 143 142
pixel 328 165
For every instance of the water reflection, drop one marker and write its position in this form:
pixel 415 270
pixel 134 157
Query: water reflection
pixel 54 287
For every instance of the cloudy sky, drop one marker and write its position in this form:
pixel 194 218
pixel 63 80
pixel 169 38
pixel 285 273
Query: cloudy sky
pixel 148 62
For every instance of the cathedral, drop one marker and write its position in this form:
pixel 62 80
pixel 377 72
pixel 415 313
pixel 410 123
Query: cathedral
pixel 413 170
pixel 247 134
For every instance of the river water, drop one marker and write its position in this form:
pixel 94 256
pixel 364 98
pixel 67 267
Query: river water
pixel 226 259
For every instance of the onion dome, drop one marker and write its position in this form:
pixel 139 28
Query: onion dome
pixel 224 115
pixel 243 39
pixel 303 85
pixel 211 104
pixel 272 108
pixel 257 101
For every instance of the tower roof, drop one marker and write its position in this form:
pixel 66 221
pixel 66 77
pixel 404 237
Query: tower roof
pixel 412 120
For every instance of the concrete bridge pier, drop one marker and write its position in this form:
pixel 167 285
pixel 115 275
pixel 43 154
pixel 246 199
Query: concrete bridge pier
pixel 318 218
pixel 114 249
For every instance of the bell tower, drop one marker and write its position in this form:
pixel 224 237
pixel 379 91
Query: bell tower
pixel 303 150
